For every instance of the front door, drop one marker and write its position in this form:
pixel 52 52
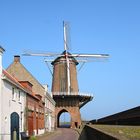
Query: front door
pixel 14 126
pixel 30 125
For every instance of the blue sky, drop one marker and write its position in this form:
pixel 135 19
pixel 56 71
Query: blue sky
pixel 103 26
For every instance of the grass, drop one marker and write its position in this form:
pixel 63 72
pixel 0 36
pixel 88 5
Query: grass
pixel 122 132
pixel 33 138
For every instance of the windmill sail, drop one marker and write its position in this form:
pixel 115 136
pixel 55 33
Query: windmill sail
pixel 65 25
pixel 91 55
pixel 66 30
pixel 67 59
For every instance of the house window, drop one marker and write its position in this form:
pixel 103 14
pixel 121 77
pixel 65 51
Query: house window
pixel 13 94
pixel 19 96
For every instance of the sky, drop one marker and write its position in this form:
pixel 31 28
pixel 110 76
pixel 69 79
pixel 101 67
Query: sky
pixel 96 26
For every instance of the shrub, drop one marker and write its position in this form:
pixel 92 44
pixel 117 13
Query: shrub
pixel 33 138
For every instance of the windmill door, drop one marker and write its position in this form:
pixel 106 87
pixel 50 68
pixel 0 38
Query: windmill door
pixel 14 126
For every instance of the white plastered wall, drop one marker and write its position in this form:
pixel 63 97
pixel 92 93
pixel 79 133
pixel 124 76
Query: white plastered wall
pixel 9 106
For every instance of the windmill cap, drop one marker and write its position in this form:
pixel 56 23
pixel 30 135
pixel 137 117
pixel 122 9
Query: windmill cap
pixel 58 59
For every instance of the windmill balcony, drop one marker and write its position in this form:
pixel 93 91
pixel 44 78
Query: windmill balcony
pixel 72 93
pixel 78 99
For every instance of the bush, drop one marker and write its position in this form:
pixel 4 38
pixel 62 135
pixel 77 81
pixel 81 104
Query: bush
pixel 33 138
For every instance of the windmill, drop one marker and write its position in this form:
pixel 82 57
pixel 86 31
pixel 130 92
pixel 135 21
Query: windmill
pixel 64 84
pixel 67 57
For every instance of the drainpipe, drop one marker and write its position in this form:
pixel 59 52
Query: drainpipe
pixel 1 53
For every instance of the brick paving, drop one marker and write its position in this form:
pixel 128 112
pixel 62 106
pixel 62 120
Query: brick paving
pixel 60 134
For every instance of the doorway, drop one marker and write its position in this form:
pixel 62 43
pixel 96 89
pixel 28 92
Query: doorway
pixel 64 119
pixel 14 126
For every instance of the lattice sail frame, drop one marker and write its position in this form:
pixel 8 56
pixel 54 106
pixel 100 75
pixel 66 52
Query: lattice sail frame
pixel 67 56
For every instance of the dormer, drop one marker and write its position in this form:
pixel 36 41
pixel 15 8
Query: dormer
pixel 26 84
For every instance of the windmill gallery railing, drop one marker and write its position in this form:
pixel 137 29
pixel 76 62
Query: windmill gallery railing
pixel 72 93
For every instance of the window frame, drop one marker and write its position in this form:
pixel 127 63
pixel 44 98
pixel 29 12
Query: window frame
pixel 19 96
pixel 13 94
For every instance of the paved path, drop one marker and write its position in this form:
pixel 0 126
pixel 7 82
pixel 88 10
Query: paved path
pixel 63 134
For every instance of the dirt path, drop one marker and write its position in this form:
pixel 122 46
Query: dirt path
pixel 64 134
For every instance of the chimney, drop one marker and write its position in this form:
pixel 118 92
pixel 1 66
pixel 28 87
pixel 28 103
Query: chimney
pixel 1 53
pixel 45 87
pixel 16 58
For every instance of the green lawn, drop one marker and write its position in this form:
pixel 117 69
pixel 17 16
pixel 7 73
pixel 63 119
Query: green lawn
pixel 122 132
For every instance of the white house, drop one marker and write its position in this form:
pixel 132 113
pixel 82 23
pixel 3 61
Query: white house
pixel 49 111
pixel 15 98
pixel 1 53
pixel 12 105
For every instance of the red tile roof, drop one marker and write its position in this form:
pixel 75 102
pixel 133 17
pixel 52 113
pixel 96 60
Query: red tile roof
pixel 22 86
pixel 12 78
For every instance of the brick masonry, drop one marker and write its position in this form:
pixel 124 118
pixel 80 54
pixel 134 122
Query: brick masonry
pixel 59 85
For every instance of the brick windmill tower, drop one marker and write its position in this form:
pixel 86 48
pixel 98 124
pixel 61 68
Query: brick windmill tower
pixel 65 89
